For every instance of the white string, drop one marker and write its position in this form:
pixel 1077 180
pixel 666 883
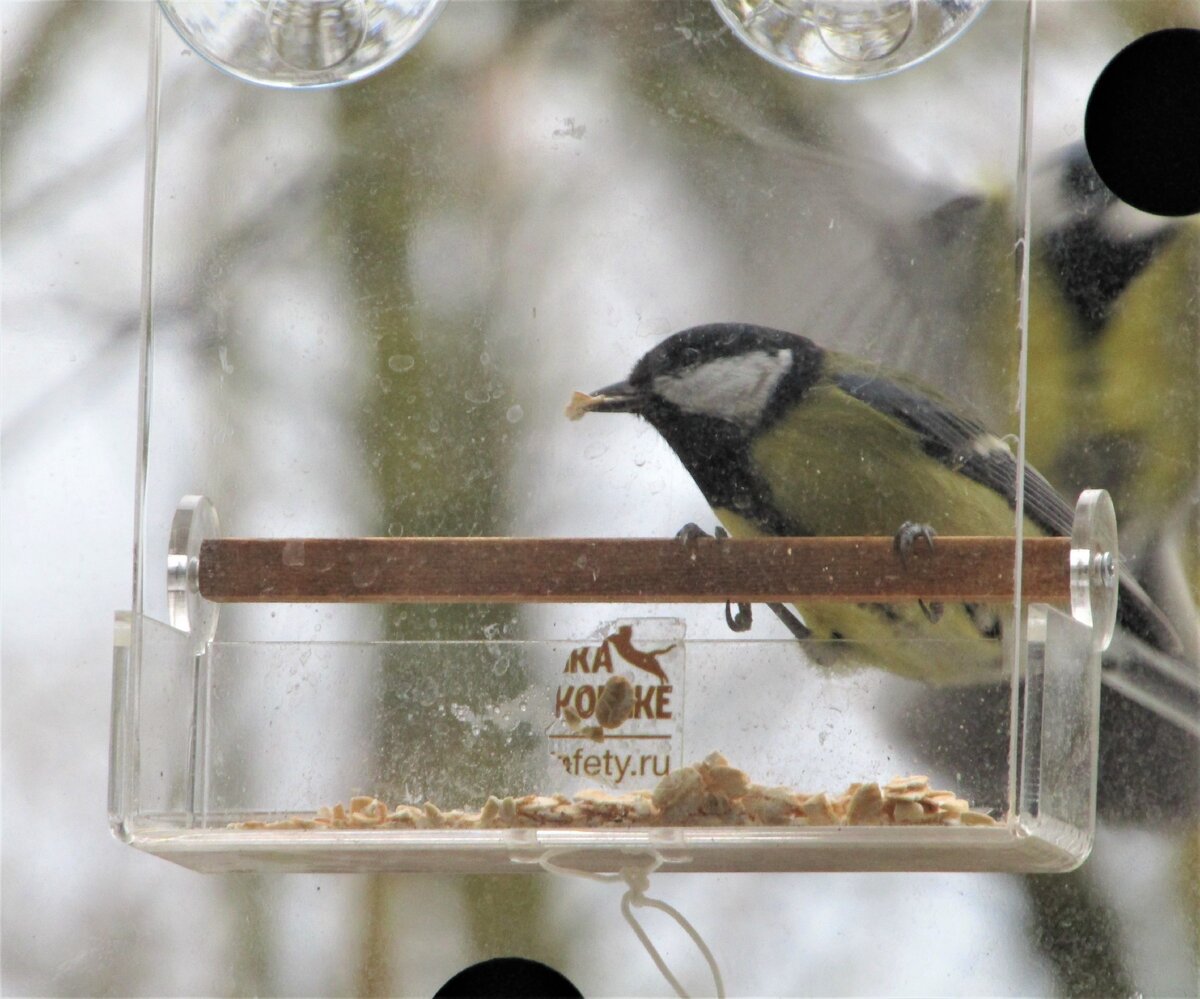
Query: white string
pixel 637 880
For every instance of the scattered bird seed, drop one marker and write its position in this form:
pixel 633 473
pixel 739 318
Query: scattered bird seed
pixel 710 793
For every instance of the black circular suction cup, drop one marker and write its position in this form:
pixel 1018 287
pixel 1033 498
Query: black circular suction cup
pixel 1142 125
pixel 510 978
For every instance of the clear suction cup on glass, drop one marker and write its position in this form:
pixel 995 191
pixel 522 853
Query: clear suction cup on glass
pixel 1094 561
pixel 301 43
pixel 195 522
pixel 847 39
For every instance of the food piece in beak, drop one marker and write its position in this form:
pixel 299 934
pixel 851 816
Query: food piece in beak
pixel 580 405
pixel 618 398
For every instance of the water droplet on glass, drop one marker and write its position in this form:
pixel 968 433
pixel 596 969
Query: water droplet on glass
pixel 595 450
pixel 514 414
pixel 401 362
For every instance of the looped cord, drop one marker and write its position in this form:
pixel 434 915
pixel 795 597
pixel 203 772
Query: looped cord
pixel 636 877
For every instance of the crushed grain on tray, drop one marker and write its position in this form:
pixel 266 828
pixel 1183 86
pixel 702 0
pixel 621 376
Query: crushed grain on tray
pixel 709 793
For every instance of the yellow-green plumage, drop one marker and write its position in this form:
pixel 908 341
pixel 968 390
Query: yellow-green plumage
pixel 855 466
pixel 855 463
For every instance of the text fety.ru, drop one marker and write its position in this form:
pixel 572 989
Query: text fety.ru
pixel 614 766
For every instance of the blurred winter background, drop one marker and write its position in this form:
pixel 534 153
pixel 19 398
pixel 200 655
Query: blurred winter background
pixel 370 306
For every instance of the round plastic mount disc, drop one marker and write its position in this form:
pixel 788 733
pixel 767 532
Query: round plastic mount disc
pixel 1094 561
pixel 195 522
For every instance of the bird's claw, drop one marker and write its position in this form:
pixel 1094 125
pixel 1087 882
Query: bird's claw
pixel 903 544
pixel 742 620
pixel 906 538
pixel 690 533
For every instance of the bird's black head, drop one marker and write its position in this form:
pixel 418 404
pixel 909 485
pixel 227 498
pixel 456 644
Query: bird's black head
pixel 733 373
pixel 709 391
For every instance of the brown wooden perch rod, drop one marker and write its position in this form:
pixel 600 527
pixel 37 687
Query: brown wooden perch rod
pixel 633 570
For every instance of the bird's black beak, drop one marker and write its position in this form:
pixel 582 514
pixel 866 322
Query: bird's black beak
pixel 619 398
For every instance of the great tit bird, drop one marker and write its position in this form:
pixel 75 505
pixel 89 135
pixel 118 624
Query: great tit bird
pixel 786 438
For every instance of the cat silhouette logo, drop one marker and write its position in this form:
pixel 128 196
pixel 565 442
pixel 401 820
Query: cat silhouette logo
pixel 622 641
pixel 625 725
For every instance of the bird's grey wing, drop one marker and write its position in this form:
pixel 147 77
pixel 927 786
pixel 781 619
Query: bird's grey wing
pixel 963 445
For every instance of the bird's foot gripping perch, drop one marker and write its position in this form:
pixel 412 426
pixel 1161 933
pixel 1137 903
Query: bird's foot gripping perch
pixel 742 618
pixel 902 544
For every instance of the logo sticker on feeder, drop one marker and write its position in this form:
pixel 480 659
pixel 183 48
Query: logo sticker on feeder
pixel 618 705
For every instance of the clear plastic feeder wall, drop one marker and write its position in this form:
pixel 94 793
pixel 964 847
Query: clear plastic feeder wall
pixel 371 304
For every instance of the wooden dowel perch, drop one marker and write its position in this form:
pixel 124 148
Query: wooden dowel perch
pixel 633 570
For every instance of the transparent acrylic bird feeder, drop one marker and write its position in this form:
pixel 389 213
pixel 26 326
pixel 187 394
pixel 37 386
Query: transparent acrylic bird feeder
pixel 436 626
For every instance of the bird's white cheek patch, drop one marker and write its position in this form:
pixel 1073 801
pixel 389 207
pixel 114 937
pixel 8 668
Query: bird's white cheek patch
pixel 736 389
